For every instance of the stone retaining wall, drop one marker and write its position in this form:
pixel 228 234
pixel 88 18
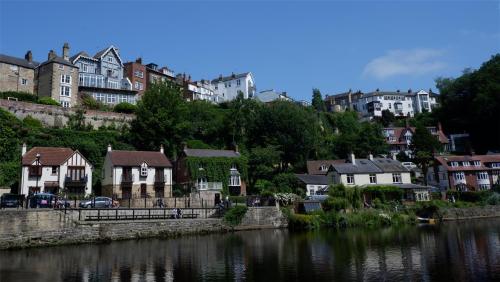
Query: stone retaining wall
pixel 35 228
pixel 57 116
pixel 468 213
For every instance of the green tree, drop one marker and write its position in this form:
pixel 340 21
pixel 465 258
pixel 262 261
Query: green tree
pixel 161 119
pixel 317 101
pixel 262 164
pixel 423 147
pixel 387 118
pixel 471 103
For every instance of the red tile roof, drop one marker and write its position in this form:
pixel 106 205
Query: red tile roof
pixel 49 156
pixel 444 160
pixel 400 138
pixel 136 158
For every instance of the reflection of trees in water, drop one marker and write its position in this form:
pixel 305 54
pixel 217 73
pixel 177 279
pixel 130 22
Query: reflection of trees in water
pixel 456 251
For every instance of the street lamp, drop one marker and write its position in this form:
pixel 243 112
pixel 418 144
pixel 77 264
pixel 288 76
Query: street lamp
pixel 37 169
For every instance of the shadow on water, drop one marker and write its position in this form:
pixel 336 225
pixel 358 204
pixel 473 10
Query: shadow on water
pixel 458 251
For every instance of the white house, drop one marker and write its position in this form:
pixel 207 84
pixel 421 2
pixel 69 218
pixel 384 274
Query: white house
pixel 136 174
pixel 376 171
pixel 313 183
pixel 229 86
pixel 55 170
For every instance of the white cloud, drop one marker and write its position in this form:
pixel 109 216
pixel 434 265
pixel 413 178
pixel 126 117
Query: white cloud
pixel 413 62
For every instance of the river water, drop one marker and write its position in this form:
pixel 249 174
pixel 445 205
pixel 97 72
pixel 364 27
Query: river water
pixel 457 251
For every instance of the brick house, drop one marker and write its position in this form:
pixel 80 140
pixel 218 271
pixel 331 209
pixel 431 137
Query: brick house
pixel 136 174
pixel 465 173
pixel 399 138
pixel 52 169
pixel 209 184
pixel 58 78
pixel 18 74
pixel 143 76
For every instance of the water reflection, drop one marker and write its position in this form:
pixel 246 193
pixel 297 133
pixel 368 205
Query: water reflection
pixel 461 251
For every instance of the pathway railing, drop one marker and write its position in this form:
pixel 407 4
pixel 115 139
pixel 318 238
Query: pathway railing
pixel 116 214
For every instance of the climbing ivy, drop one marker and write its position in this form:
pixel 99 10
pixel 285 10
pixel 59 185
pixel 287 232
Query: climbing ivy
pixel 216 169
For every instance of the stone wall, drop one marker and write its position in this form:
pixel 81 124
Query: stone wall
pixel 58 116
pixel 263 217
pixel 468 213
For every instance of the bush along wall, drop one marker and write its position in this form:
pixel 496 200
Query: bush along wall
pixel 217 169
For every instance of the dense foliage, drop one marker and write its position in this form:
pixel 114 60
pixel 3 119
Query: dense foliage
pixel 216 169
pixel 471 103
pixel 235 214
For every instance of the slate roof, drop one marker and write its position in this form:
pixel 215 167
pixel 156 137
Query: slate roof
pixel 209 153
pixel 49 156
pixel 389 165
pixel 59 60
pixel 81 53
pixel 136 158
pixel 313 167
pixel 18 61
pixel 361 166
pixel 313 179
pixel 230 77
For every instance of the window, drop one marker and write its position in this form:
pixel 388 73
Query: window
pixel 373 178
pixel 54 170
pixel 111 99
pixel 390 106
pixel 323 168
pixel 85 67
pixel 483 175
pixel 136 85
pixel 141 86
pixel 477 163
pixel 24 81
pixel 350 179
pixel 144 170
pixel 495 165
pixel 65 78
pixel 311 192
pixel 484 186
pixel 466 163
pixel 454 164
pixel 110 59
pixel 396 178
pixel 459 176
pixel 139 73
pixel 99 97
pixel 65 104
pixel 66 91
pixel 238 82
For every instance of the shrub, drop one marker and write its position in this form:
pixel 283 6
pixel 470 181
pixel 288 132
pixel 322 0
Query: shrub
pixel 125 107
pixel 474 197
pixel 494 199
pixel 21 96
pixel 48 101
pixel 235 214
pixel 335 204
pixel 32 122
pixel 90 103
pixel 384 193
pixel 303 221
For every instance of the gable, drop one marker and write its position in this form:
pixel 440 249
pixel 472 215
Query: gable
pixel 111 52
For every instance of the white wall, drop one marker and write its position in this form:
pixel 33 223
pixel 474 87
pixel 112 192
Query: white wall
pixel 231 92
pixel 314 187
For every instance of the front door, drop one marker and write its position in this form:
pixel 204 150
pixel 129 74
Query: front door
pixel 144 193
pixel 126 192
pixel 217 199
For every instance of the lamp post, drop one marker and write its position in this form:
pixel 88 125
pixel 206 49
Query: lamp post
pixel 37 168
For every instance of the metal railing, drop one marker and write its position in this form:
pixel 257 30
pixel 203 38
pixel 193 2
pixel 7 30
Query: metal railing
pixel 208 186
pixel 118 214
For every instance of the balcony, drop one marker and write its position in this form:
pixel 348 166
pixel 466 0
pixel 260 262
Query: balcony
pixel 209 186
pixel 75 182
pixel 127 180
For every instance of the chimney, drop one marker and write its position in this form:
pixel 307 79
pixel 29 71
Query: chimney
pixel 377 90
pixel 161 149
pixel 51 55
pixel 233 75
pixel 352 158
pixel 409 91
pixel 109 148
pixel 398 91
pixel 23 150
pixel 139 60
pixel 29 56
pixel 370 157
pixel 65 51
pixel 430 91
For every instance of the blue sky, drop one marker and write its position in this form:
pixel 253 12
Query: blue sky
pixel 290 46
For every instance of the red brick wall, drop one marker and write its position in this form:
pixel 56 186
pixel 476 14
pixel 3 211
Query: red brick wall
pixel 130 69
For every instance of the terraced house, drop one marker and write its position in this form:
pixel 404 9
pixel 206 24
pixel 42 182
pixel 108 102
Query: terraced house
pixel 101 77
pixel 17 74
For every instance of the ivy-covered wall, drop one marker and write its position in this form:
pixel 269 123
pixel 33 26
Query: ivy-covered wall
pixel 216 169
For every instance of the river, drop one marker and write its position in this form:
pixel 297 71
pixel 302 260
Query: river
pixel 455 251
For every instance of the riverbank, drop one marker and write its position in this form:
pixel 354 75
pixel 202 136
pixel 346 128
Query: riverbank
pixel 40 228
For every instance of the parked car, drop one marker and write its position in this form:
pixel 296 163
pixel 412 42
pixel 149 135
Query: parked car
pixel 42 200
pixel 97 202
pixel 409 165
pixel 11 201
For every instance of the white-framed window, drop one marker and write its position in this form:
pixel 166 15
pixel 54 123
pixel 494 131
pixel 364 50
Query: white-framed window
pixel 111 99
pixel 483 175
pixel 123 98
pixel 139 73
pixel 465 163
pixel 495 165
pixel 396 178
pixel 144 170
pixel 141 86
pixel 477 163
pixel 100 97
pixel 350 179
pixel 454 164
pixel 459 175
pixel 65 104
pixel 66 91
pixel 373 178
pixel 66 78
pixel 24 81
pixel 234 180
pixel 238 82
pixel 136 85
pixel 323 167
pixel 85 67
pixel 110 59
pixel 484 187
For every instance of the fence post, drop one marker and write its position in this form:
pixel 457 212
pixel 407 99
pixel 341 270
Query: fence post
pixel 175 202
pixel 133 214
pixel 144 201
pixel 98 215
pixel 79 214
pixel 116 214
pixel 149 213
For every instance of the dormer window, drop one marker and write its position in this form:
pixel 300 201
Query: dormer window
pixel 454 164
pixel 323 168
pixel 144 170
pixel 234 177
pixel 466 163
pixel 477 163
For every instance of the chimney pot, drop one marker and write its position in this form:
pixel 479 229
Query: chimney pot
pixel 161 149
pixel 409 90
pixel 51 55
pixel 370 157
pixel 109 148
pixel 353 159
pixel 139 60
pixel 23 151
